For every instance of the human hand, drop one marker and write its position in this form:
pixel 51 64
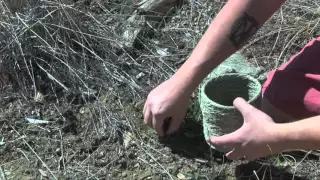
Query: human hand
pixel 169 100
pixel 255 139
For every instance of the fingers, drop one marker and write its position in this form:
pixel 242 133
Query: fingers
pixel 236 154
pixel 152 120
pixel 158 124
pixel 173 126
pixel 145 107
pixel 241 154
pixel 175 123
pixel 148 117
pixel 229 141
pixel 147 114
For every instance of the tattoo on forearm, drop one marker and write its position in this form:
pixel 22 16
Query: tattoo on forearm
pixel 244 27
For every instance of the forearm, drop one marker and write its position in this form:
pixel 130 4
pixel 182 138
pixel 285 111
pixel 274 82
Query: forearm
pixel 303 135
pixel 232 27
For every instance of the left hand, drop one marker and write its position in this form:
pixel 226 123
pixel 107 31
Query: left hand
pixel 255 139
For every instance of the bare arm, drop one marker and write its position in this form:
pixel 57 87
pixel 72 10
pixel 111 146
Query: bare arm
pixel 303 135
pixel 238 21
pixel 232 27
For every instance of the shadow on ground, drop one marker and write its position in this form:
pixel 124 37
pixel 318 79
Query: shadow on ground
pixel 255 170
pixel 189 142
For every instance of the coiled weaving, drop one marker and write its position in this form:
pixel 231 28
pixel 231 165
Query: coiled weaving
pixel 216 98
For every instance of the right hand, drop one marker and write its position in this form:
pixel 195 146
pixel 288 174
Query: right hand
pixel 258 137
pixel 169 100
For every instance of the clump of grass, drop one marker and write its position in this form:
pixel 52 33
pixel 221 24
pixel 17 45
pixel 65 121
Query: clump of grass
pixel 58 43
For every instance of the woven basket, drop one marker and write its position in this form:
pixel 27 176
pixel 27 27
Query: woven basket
pixel 216 103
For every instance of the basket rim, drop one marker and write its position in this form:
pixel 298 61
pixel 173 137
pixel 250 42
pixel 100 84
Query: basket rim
pixel 246 76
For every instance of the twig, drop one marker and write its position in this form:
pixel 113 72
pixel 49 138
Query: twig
pixel 43 163
pixel 255 173
pixel 165 170
pixel 62 151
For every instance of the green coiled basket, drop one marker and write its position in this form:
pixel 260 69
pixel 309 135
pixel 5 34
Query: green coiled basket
pixel 216 98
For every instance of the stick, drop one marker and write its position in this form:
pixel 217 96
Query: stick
pixel 137 22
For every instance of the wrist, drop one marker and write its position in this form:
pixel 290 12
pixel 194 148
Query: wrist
pixel 194 70
pixel 278 138
pixel 287 139
pixel 274 139
pixel 184 82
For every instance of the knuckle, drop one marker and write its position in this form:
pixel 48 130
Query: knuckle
pixel 151 104
pixel 157 110
pixel 151 101
pixel 157 114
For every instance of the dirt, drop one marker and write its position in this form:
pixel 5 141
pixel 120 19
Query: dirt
pixel 102 135
pixel 77 144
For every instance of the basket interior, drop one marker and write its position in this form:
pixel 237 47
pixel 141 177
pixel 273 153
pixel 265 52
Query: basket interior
pixel 224 90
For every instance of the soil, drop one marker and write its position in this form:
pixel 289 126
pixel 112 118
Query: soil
pixel 103 136
pixel 77 145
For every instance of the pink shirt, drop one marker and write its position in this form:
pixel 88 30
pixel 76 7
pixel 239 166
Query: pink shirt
pixel 294 88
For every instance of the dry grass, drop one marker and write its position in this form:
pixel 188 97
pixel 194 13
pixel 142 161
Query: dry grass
pixel 71 54
pixel 59 42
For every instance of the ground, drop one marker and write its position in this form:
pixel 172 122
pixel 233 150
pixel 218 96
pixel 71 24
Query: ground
pixel 72 95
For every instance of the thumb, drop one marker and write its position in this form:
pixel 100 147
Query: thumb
pixel 244 107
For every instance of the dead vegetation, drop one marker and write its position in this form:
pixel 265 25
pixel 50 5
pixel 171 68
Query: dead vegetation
pixel 73 86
